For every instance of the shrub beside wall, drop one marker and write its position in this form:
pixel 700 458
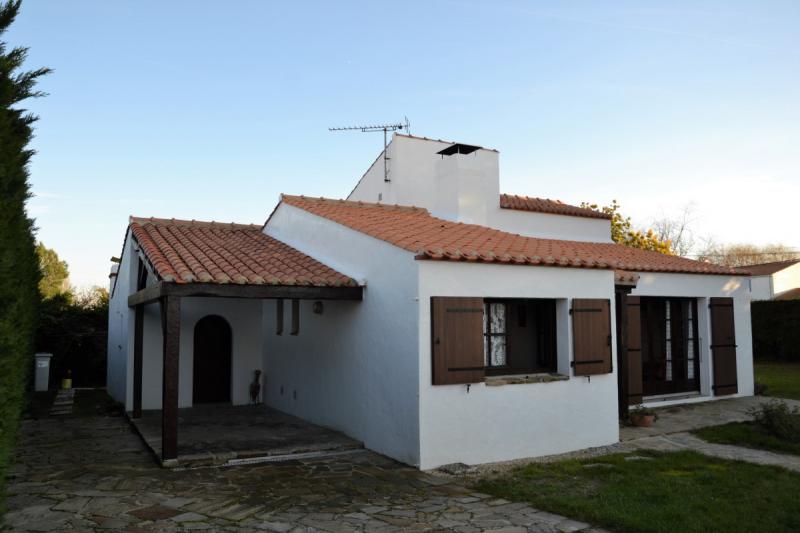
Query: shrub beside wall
pixel 76 333
pixel 776 330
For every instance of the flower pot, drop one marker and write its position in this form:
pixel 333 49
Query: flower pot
pixel 642 421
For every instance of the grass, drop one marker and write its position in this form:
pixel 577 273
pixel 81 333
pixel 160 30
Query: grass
pixel 749 435
pixel 782 379
pixel 663 492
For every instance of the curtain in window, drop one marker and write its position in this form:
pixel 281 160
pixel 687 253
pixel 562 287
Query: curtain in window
pixel 494 330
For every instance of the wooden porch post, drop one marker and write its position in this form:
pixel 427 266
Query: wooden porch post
pixel 171 330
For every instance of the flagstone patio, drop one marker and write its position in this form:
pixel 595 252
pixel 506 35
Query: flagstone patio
pixel 93 473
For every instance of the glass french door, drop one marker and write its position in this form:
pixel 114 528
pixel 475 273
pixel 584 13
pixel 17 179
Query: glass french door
pixel 670 362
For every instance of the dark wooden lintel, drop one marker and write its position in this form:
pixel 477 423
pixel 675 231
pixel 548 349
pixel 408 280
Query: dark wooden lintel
pixel 145 296
pixel 231 290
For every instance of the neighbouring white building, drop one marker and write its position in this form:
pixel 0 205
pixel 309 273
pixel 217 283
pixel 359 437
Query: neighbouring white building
pixel 775 281
pixel 427 315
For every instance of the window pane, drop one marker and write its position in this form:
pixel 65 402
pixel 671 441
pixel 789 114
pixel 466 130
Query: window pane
pixel 498 318
pixel 668 342
pixel 689 341
pixel 498 350
pixel 485 337
pixel 494 331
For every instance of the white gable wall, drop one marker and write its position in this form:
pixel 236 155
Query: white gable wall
pixel 785 280
pixel 482 423
pixel 353 368
pixel 550 226
pixel 119 366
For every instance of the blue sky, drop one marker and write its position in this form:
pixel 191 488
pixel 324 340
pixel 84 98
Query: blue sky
pixel 209 110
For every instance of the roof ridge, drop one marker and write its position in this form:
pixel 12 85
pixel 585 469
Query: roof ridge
pixel 192 223
pixel 546 205
pixel 526 197
pixel 353 203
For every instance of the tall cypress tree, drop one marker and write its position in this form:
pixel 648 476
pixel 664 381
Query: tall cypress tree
pixel 19 269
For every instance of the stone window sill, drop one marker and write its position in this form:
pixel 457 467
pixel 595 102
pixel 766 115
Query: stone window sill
pixel 496 381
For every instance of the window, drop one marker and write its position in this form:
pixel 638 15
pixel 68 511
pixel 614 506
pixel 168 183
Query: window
pixel 519 336
pixel 689 328
pixel 494 335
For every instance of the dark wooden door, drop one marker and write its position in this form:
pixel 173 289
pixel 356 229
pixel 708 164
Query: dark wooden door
pixel 212 361
pixel 634 350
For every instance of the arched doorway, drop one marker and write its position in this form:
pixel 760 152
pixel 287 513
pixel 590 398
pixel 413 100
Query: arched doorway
pixel 212 361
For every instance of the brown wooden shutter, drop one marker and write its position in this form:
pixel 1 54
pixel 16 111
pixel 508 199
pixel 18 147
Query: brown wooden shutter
pixel 457 340
pixel 634 314
pixel 591 335
pixel 723 346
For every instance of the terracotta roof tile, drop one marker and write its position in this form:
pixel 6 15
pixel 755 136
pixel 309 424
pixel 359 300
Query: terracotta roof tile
pixel 767 269
pixel 188 251
pixel 415 230
pixel 543 205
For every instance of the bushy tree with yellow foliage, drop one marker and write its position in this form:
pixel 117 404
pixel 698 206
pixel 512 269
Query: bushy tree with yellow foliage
pixel 623 232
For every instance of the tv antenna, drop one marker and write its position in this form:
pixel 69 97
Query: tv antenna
pixel 385 128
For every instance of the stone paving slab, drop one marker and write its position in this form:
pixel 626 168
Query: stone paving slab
pixel 687 441
pixel 94 474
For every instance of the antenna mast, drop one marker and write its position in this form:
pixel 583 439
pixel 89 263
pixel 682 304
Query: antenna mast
pixel 385 128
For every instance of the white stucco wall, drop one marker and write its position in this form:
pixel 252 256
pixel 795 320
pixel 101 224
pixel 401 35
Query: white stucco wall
pixel 786 279
pixel 761 288
pixel 244 317
pixel 120 323
pixel 549 226
pixel 354 368
pixel 704 287
pixel 487 424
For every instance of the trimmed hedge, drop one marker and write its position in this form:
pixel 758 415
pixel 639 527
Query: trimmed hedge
pixel 19 265
pixel 776 330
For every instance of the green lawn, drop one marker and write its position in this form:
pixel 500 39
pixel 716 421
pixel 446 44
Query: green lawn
pixel 748 434
pixel 782 379
pixel 665 492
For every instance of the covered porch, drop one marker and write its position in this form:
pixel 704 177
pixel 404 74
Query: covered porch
pixel 196 294
pixel 215 433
